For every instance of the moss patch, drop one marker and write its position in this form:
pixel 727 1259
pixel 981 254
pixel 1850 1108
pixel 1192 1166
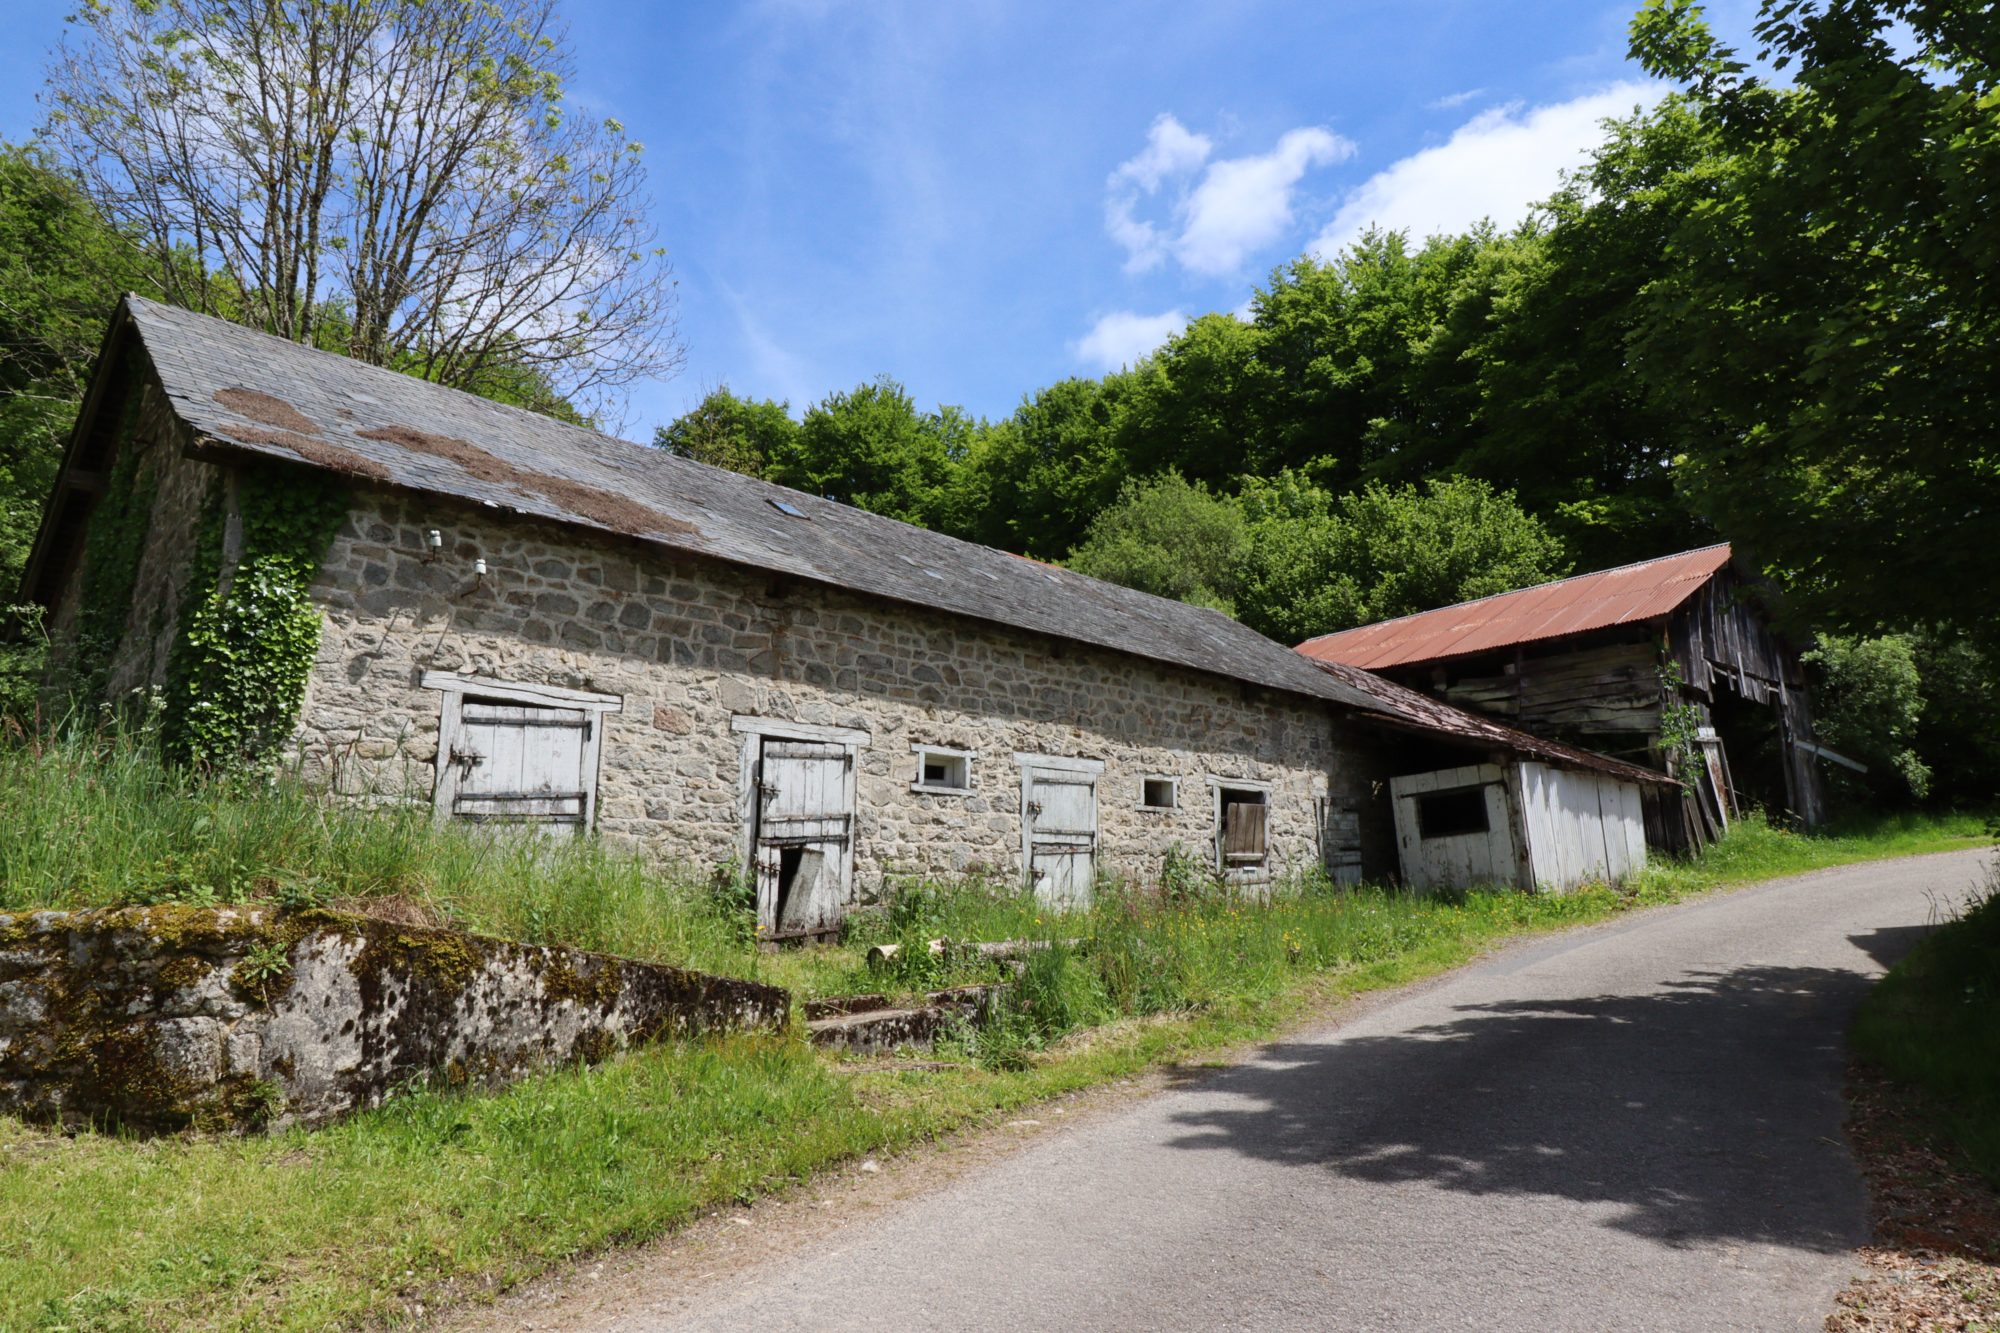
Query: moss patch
pixel 598 984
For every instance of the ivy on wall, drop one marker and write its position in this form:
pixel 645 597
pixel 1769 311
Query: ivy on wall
pixel 248 634
pixel 111 553
pixel 1680 727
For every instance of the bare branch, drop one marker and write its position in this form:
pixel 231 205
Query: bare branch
pixel 398 179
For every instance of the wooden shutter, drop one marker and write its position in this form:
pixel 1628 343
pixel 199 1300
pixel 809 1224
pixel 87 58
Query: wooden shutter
pixel 522 764
pixel 1244 829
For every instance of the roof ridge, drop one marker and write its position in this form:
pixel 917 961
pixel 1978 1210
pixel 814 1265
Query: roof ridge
pixel 840 545
pixel 1515 592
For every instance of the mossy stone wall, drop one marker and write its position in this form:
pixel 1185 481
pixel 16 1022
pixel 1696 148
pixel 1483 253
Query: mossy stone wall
pixel 171 1017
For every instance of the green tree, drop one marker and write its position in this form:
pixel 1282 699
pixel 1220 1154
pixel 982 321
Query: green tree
pixel 740 434
pixel 1170 537
pixel 870 447
pixel 1955 733
pixel 1033 482
pixel 1543 325
pixel 1868 704
pixel 1826 325
pixel 62 267
pixel 1341 344
pixel 1320 563
pixel 1197 405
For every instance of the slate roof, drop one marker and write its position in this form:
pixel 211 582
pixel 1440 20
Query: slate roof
pixel 241 390
pixel 1630 594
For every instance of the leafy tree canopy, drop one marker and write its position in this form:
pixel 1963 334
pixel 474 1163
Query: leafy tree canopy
pixel 62 268
pixel 1823 315
pixel 871 447
pixel 1170 537
pixel 1324 563
pixel 1293 560
pixel 741 434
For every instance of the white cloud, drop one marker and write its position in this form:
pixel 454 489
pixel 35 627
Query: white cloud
pixel 1238 205
pixel 1172 149
pixel 1126 336
pixel 1452 101
pixel 1172 152
pixel 1245 204
pixel 1496 165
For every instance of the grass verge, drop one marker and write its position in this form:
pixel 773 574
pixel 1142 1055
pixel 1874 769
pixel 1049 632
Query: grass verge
pixel 370 1219
pixel 1934 1022
pixel 1924 1118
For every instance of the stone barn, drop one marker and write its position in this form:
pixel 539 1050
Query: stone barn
pixel 1672 663
pixel 417 595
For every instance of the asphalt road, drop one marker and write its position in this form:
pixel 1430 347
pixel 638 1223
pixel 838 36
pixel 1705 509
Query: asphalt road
pixel 1635 1126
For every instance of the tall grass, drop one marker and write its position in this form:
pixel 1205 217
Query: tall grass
pixel 93 820
pixel 1137 953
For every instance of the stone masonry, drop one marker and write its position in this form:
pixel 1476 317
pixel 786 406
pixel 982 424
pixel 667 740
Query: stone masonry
pixel 690 644
pixel 180 487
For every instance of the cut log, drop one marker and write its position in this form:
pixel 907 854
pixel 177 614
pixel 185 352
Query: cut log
pixel 999 950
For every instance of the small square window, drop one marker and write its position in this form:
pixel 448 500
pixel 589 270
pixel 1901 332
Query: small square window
pixel 1458 813
pixel 1158 794
pixel 942 770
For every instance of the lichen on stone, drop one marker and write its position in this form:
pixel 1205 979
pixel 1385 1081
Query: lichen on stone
pixel 597 985
pixel 129 1017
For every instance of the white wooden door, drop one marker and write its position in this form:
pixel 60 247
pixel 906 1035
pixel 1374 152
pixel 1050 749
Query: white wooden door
pixel 805 836
pixel 1061 821
pixel 1439 845
pixel 522 764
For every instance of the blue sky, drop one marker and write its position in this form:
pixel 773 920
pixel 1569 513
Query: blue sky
pixel 981 198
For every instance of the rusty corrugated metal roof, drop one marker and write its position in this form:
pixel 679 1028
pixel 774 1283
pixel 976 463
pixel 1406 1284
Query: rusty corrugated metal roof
pixel 1419 712
pixel 1630 594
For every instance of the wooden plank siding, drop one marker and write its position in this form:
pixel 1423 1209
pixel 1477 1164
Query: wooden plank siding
pixel 1580 826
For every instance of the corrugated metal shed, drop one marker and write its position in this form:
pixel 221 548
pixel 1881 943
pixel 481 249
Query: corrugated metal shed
pixel 241 391
pixel 1630 594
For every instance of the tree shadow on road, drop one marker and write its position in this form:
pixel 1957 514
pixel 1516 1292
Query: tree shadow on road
pixel 1887 944
pixel 1707 1111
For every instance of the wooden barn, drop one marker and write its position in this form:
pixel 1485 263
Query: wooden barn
pixel 1669 662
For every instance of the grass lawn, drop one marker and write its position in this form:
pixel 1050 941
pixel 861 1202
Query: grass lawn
pixel 367 1219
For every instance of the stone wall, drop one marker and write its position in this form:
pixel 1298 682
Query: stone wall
pixel 162 1018
pixel 691 644
pixel 181 487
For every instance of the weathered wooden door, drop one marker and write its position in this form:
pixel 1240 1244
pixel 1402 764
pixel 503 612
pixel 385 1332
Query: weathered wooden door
pixel 805 836
pixel 1454 828
pixel 522 764
pixel 1061 819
